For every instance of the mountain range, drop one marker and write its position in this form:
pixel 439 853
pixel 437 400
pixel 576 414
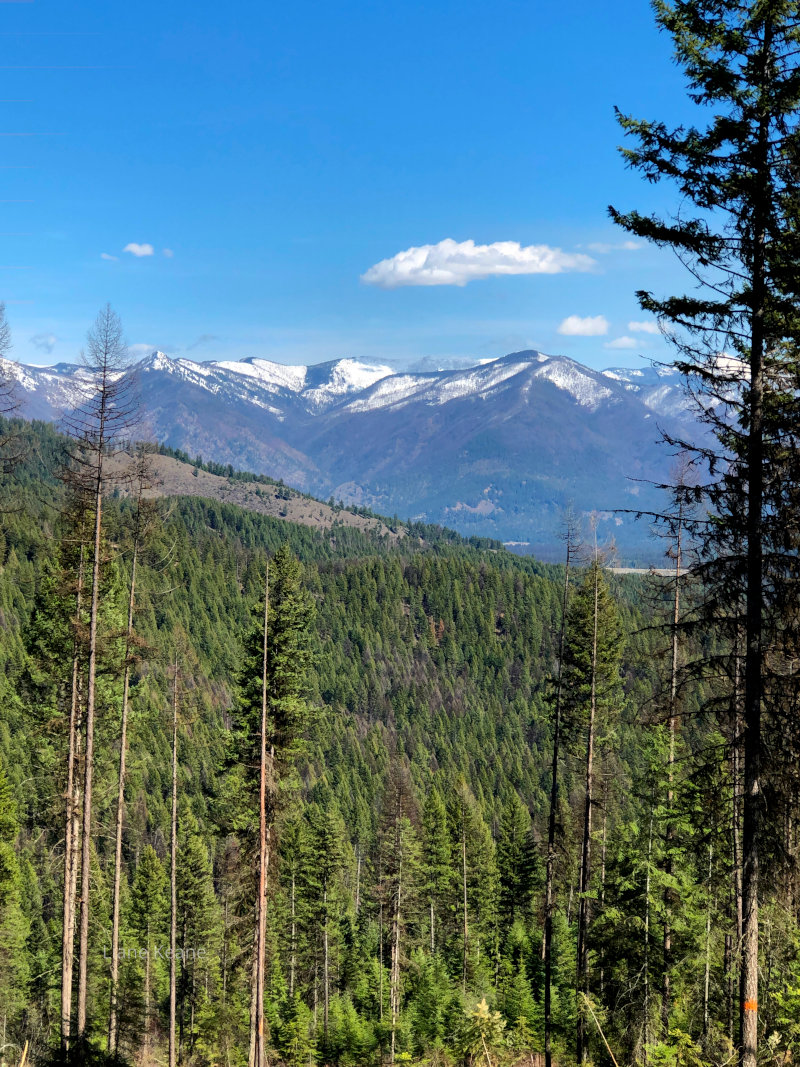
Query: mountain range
pixel 497 449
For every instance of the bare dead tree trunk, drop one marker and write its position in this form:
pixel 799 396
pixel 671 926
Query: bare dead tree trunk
pixel 673 718
pixel 547 944
pixel 173 851
pixel 142 474
pixel 326 988
pixel 646 975
pixel 736 828
pixel 253 1047
pixel 86 868
pixel 731 990
pixel 71 830
pixel 394 991
pixel 583 905
pixel 380 939
pixel 96 426
pixel 261 905
pixel 603 847
pixel 123 751
pixel 707 969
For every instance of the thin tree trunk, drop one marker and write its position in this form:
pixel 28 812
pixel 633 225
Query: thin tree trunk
pixel 123 749
pixel 707 970
pixel 646 976
pixel 86 864
pixel 583 906
pixel 293 954
pixel 380 948
pixel 261 906
pixel 325 967
pixel 736 827
pixel 173 921
pixel 147 992
pixel 77 843
pixel 731 987
pixel 670 830
pixel 395 977
pixel 251 1056
pixel 603 847
pixel 71 830
pixel 464 889
pixel 358 879
pixel 547 944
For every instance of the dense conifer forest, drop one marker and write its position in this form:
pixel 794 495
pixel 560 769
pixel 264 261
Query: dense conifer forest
pixel 413 691
pixel 280 794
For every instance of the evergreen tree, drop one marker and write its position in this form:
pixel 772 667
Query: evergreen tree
pixel 199 929
pixel 592 686
pixel 14 964
pixel 326 860
pixel 516 862
pixel 738 340
pixel 147 923
pixel 437 865
pixel 273 713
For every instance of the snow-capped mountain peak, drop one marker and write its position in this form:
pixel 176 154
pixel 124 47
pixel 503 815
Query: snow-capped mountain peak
pixel 659 387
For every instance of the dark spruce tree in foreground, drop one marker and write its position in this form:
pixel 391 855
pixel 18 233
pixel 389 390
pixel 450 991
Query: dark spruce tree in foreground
pixel 737 336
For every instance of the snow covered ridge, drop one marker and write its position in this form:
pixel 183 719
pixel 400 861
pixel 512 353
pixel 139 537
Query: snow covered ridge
pixel 357 386
pixel 318 386
pixel 351 386
pixel 660 388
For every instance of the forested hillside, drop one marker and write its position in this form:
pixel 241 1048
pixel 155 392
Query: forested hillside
pixel 407 896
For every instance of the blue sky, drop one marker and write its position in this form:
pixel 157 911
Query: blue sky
pixel 279 152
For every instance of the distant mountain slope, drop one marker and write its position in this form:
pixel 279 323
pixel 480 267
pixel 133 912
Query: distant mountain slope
pixel 176 478
pixel 495 450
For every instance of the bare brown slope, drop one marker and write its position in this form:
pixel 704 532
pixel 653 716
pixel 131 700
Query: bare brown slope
pixel 182 479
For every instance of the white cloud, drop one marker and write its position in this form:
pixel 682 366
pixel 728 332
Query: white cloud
pixel 45 342
pixel 643 327
pixel 604 248
pixel 457 262
pixel 139 250
pixel 168 253
pixel 137 352
pixel 623 342
pixel 105 255
pixel 592 326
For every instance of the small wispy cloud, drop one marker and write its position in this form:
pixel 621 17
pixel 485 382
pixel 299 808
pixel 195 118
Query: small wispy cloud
pixel 168 253
pixel 45 342
pixel 644 327
pixel 458 262
pixel 139 250
pixel 623 342
pixel 105 255
pixel 591 326
pixel 203 339
pixel 603 248
pixel 140 351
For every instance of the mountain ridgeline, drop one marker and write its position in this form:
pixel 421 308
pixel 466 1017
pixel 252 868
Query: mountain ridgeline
pixel 495 450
